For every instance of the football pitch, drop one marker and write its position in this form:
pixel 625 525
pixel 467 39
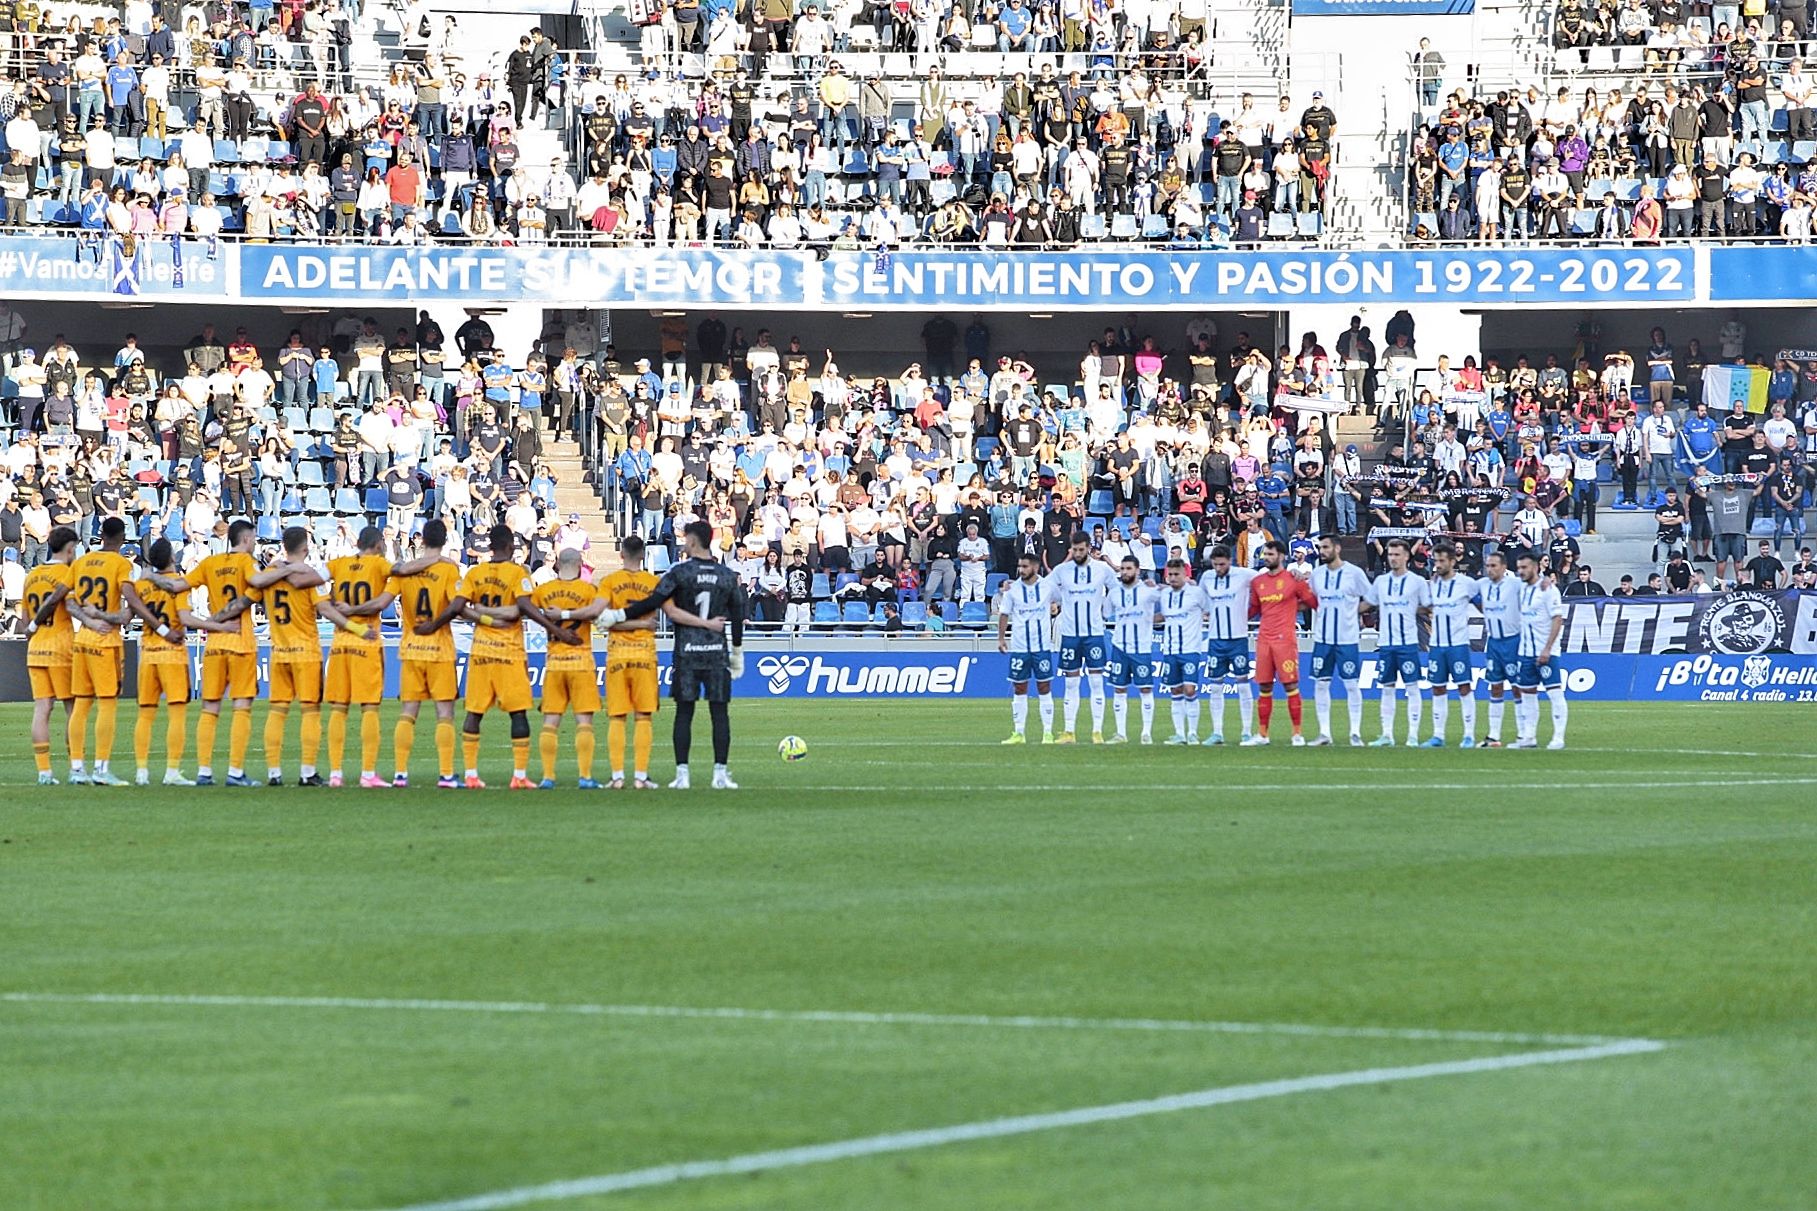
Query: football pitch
pixel 919 971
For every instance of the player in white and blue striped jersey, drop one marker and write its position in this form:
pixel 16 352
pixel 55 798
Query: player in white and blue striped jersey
pixel 1226 590
pixel 1500 592
pixel 1130 609
pixel 1542 622
pixel 1082 583
pixel 1182 610
pixel 1399 597
pixel 1448 660
pixel 1025 629
pixel 1337 636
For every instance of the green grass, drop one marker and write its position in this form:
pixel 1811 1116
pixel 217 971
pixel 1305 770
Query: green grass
pixel 911 865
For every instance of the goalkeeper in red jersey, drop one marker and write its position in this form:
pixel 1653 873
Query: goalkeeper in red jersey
pixel 1276 597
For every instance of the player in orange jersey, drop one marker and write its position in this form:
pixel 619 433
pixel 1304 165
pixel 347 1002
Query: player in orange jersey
pixel 426 673
pixel 48 652
pixel 163 664
pixel 98 581
pixel 1276 597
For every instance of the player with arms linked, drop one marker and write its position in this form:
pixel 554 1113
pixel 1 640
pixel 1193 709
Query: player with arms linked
pixel 1131 610
pixel 705 601
pixel 1227 664
pixel 1542 621
pixel 1399 597
pixel 1082 583
pixel 1337 635
pixel 1500 592
pixel 1182 610
pixel 1448 663
pixel 1026 607
pixel 49 651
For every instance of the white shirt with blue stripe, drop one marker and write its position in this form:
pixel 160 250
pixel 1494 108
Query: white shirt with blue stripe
pixel 1131 609
pixel 1340 590
pixel 1082 590
pixel 1451 597
pixel 1398 599
pixel 1227 598
pixel 1539 605
pixel 1029 607
pixel 1182 621
pixel 1501 606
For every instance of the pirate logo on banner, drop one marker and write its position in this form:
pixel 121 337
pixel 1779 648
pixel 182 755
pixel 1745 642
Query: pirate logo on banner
pixel 1743 624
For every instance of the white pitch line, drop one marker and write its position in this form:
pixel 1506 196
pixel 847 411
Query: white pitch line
pixel 1223 785
pixel 834 1016
pixel 908 1141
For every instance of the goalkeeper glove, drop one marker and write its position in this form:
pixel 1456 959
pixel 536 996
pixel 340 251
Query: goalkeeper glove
pixel 737 662
pixel 611 618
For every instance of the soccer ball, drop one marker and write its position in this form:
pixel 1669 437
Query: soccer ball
pixel 792 748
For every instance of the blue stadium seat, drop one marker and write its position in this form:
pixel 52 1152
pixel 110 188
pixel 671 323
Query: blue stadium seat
pixel 974 614
pixel 324 529
pixel 914 613
pixel 1100 501
pixel 377 500
pixel 318 501
pixel 949 612
pixel 856 613
pixel 310 474
pixel 226 152
pixel 658 559
pixel 151 148
pixel 993 581
pixel 296 419
pixel 826 613
pixel 347 502
pixel 268 528
pixel 822 586
pixel 321 420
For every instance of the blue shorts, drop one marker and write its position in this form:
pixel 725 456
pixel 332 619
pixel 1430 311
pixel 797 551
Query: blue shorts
pixel 1501 656
pixel 1128 669
pixel 1086 651
pixel 1530 674
pixel 1448 666
pixel 1030 666
pixel 1398 665
pixel 1227 659
pixel 1176 671
pixel 1340 660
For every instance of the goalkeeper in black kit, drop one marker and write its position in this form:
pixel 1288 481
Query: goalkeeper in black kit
pixel 706 603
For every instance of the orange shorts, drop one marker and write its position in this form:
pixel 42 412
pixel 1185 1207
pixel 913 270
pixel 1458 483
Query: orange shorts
pixel 1276 658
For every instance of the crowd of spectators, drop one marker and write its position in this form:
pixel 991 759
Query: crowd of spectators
pixel 222 119
pixel 917 487
pixel 362 428
pixel 1704 128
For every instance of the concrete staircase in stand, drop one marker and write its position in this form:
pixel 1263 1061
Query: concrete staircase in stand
pixel 575 494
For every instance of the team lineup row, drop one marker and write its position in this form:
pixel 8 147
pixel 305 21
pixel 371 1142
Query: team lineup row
pixel 1108 622
pixel 80 603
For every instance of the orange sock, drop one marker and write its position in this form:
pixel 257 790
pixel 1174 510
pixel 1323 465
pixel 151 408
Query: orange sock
pixel 547 743
pixel 239 738
pixel 643 735
pixel 583 749
pixel 205 739
pixel 470 750
pixel 337 737
pixel 615 744
pixel 403 738
pixel 444 746
pixel 369 741
pixel 78 729
pixel 175 734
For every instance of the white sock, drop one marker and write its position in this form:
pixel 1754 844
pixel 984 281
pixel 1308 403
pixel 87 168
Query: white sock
pixel 1526 716
pixel 1119 708
pixel 235 773
pixel 75 767
pixel 273 772
pixel 1246 705
pixel 1072 703
pixel 1097 701
pixel 202 771
pixel 1441 714
pixel 1018 712
pixel 1321 705
pixel 1388 711
pixel 1179 715
pixel 1192 717
pixel 1354 696
pixel 1497 703
pixel 1216 708
pixel 1561 713
pixel 1416 712
pixel 1047 712
pixel 1467 701
pixel 1148 714
pixel 307 771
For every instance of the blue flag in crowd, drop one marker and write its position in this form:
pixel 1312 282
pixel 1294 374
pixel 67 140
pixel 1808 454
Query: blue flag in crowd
pixel 176 261
pixel 126 270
